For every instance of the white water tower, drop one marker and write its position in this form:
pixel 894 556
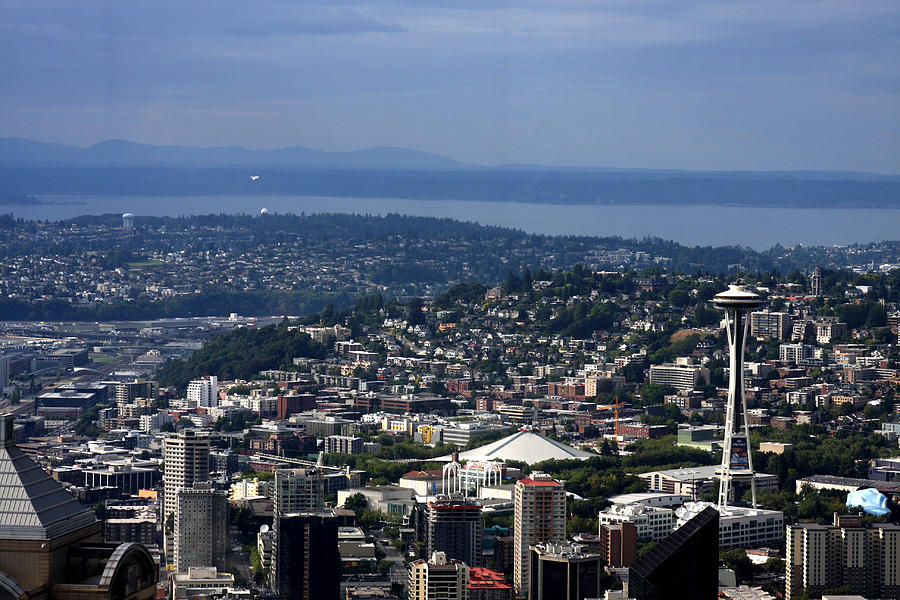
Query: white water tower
pixel 127 221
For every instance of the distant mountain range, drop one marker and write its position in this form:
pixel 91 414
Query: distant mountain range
pixel 118 167
pixel 122 153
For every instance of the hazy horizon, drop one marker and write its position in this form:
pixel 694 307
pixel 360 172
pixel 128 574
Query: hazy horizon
pixel 764 86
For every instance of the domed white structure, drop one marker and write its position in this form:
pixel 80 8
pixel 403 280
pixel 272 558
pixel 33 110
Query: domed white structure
pixel 264 211
pixel 127 221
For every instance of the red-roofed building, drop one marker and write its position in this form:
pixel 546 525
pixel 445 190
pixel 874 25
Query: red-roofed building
pixel 487 584
pixel 424 483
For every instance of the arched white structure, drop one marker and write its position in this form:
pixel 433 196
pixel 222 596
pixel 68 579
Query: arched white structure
pixel 450 478
pixel 477 474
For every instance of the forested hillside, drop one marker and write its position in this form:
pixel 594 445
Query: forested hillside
pixel 241 354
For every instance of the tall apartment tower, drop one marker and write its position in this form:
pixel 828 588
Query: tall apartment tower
pixel 128 391
pixel 454 527
pixel 618 544
pixel 186 461
pixel 439 578
pixel 306 563
pixel 205 391
pixel 4 372
pixel 201 527
pixel 767 324
pixel 815 282
pixel 865 559
pixel 299 490
pixel 540 517
pixel 737 460
pixel 295 492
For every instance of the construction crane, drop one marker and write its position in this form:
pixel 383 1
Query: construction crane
pixel 615 407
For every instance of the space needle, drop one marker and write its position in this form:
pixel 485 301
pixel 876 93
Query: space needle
pixel 737 461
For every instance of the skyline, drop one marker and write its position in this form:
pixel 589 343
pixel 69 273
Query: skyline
pixel 697 86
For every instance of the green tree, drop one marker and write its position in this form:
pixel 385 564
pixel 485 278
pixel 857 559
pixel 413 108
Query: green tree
pixel 775 565
pixel 357 503
pixel 738 561
pixel 877 316
pixel 414 315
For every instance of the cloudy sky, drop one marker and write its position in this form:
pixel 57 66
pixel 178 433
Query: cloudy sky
pixel 742 84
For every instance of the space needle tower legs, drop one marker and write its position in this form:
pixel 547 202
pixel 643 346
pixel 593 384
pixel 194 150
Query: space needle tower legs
pixel 737 459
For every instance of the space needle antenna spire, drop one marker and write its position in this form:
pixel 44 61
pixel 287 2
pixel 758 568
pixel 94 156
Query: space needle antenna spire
pixel 737 459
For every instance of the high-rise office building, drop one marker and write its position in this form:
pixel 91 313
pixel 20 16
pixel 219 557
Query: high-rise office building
pixel 204 392
pixel 737 460
pixel 438 578
pixel 683 566
pixel 540 516
pixel 453 526
pixel 305 559
pixel 185 461
pixel 564 572
pixel 847 554
pixel 201 527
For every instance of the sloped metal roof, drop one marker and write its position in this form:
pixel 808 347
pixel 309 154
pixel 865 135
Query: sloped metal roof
pixel 32 504
pixel 526 446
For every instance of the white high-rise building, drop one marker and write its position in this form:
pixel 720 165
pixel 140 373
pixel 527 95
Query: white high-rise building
pixel 815 282
pixel 540 517
pixel 185 462
pixel 795 352
pixel 201 527
pixel 766 324
pixel 683 374
pixel 205 391
pixel 299 490
pixel 651 523
pixel 739 526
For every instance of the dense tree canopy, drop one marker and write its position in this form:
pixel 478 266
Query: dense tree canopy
pixel 241 354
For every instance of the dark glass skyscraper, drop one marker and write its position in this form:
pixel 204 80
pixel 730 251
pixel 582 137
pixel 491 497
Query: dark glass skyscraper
pixel 307 564
pixel 564 572
pixel 683 566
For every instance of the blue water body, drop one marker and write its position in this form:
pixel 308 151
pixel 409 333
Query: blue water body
pixel 758 228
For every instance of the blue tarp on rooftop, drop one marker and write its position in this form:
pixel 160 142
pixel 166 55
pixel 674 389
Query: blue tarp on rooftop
pixel 870 500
